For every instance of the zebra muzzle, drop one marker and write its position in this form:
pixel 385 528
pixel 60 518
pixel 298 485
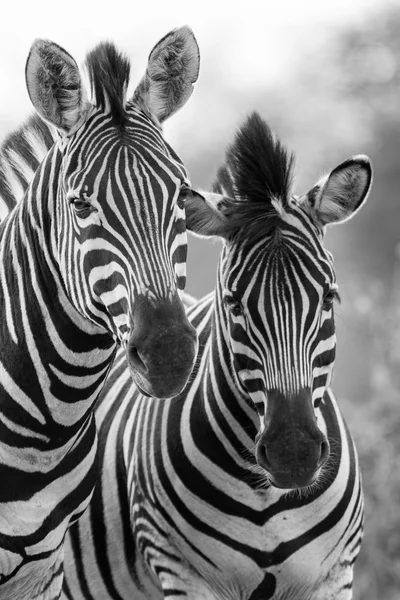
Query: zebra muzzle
pixel 291 448
pixel 161 349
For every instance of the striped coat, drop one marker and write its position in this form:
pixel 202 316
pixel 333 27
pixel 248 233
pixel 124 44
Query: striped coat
pixel 92 258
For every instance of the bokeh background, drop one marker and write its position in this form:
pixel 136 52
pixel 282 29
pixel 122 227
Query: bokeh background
pixel 326 76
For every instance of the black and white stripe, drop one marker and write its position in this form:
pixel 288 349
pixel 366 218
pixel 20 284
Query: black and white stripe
pixel 91 258
pixel 187 504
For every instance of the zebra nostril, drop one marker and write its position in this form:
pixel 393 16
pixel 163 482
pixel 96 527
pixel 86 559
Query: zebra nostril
pixel 262 457
pixel 135 359
pixel 324 453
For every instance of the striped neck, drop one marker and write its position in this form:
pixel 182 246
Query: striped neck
pixel 220 395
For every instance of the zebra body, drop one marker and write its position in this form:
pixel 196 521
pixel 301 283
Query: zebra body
pixel 92 257
pixel 211 532
pixel 247 485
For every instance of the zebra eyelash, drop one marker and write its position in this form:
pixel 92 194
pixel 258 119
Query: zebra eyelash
pixel 330 297
pixel 82 207
pixel 234 306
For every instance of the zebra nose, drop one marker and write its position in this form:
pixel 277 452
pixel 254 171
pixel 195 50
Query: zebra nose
pixel 269 465
pixel 291 448
pixel 161 362
pixel 290 474
pixel 292 458
pixel 162 346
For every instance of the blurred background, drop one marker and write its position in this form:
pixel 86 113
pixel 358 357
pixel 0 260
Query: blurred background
pixel 326 76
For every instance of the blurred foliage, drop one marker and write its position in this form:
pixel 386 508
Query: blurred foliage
pixel 374 419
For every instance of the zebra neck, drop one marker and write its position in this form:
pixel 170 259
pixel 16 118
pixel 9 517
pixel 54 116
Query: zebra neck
pixel 53 362
pixel 221 395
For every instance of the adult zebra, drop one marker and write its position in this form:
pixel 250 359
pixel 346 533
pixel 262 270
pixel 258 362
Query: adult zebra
pixel 247 485
pixel 93 256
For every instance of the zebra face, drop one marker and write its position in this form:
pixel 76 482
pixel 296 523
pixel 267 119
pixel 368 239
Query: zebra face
pixel 123 260
pixel 276 286
pixel 278 297
pixel 116 206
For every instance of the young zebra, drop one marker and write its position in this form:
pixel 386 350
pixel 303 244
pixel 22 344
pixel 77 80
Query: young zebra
pixel 92 257
pixel 247 485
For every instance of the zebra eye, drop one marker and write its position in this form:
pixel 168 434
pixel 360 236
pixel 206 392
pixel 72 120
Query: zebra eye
pixel 83 208
pixel 234 306
pixel 183 194
pixel 329 298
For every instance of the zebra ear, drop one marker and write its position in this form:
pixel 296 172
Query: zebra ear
pixel 172 70
pixel 339 195
pixel 207 214
pixel 54 85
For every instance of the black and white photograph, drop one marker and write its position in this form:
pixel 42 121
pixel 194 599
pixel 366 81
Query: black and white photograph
pixel 200 300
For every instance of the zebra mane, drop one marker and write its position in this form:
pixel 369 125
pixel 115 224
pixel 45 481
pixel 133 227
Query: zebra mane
pixel 108 71
pixel 21 153
pixel 257 174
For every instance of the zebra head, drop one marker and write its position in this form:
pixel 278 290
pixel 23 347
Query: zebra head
pixel 276 290
pixel 116 198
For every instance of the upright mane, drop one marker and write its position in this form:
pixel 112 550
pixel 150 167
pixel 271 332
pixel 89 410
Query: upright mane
pixel 108 71
pixel 257 174
pixel 21 153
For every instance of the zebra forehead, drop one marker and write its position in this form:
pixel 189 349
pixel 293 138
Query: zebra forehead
pixel 137 161
pixel 286 253
pixel 284 228
pixel 280 264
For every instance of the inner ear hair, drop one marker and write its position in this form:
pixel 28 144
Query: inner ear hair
pixel 210 214
pixel 54 84
pixel 172 69
pixel 344 190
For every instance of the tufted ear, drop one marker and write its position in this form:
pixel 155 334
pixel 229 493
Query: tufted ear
pixel 54 85
pixel 172 70
pixel 208 214
pixel 339 195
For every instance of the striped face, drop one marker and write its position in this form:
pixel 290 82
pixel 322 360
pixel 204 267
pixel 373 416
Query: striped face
pixel 121 236
pixel 278 294
pixel 117 192
pixel 123 218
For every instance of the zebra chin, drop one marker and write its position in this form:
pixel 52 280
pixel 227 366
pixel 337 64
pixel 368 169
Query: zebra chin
pixel 163 384
pixel 296 477
pixel 294 480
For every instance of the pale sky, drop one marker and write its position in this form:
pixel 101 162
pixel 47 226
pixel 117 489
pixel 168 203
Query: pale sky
pixel 250 40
